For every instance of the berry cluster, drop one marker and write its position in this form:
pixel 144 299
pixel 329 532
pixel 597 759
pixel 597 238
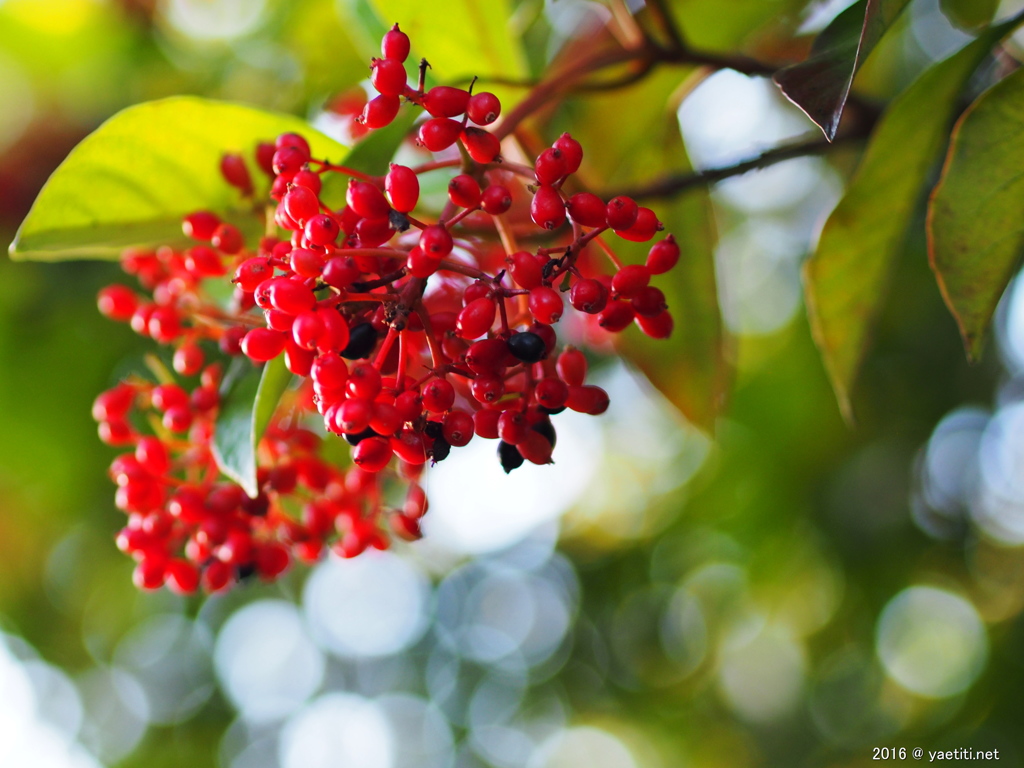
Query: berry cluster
pixel 409 332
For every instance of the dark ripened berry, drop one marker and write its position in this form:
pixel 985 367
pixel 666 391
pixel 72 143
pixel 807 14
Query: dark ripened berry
pixel 526 346
pixel 496 200
pixel 547 208
pixel 395 44
pixel 587 209
pixel 483 108
pixel 362 340
pixel 403 187
pixel 509 457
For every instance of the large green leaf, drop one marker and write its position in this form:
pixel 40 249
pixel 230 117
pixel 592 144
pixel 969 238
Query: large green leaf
pixel 847 277
pixel 976 213
pixel 472 38
pixel 131 180
pixel 821 84
pixel 689 368
pixel 969 14
pixel 249 397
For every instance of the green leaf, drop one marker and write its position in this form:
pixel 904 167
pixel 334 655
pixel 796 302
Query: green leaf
pixel 847 277
pixel 969 14
pixel 821 84
pixel 689 368
pixel 249 397
pixel 473 39
pixel 976 213
pixel 132 180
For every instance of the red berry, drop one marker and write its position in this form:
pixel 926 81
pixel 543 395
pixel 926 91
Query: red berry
pixel 388 76
pixel 216 576
pixel 483 108
pixel 588 399
pixel 322 229
pixel 487 355
pixel 290 295
pixel 227 238
pixel 309 180
pixel 306 263
pixel 482 146
pixel 457 428
pixel 587 209
pixel 421 264
pixel 167 396
pixel 436 241
pixel 476 318
pixel 546 304
pixel 340 272
pixel 329 371
pixel 485 423
pixel 118 302
pixel 657 327
pixel 200 225
pixel 182 577
pixel 551 392
pixel 403 187
pixel 663 255
pixel 372 454
pixel 644 228
pixel 380 111
pixel 630 280
pixel 307 329
pixel 535 448
pixel 487 388
pixel 512 427
pixel 301 204
pixel 571 151
pixel 525 269
pixel 234 171
pixel 289 160
pixel 409 446
pixel 367 200
pixel 386 419
pixel 616 316
pixel 251 273
pixel 265 157
pixel 445 101
pixel 272 559
pixel 373 233
pixel 438 133
pixel 621 212
pixel 547 209
pixel 588 295
pixel 438 395
pixel 262 344
pixel 293 140
pixel 464 191
pixel 496 200
pixel 649 302
pixel 550 166
pixel 188 359
pixel 354 415
pixel 364 381
pixel 202 261
pixel 395 44
pixel 336 335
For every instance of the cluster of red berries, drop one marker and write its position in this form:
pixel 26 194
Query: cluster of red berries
pixel 408 336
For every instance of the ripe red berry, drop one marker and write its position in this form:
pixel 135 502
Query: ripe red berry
pixel 483 108
pixel 487 388
pixel 306 263
pixel 265 157
pixel 421 264
pixel 364 381
pixel 403 187
pixel 663 255
pixel 525 269
pixel 487 355
pixel 588 295
pixel 630 280
pixel 301 204
pixel 235 172
pixel 290 296
pixel 545 305
pixel 289 160
pixel 496 200
pixel 438 395
pixel 572 367
pixel 535 448
pixel 307 329
pixel 308 179
pixel 649 302
pixel 644 228
pixel 388 76
pixel 373 233
pixel 118 302
pixel 571 151
pixel 482 146
pixel 587 209
pixel 227 238
pixel 202 261
pixel 366 200
pixel 476 318
pixel 547 209
pixel 587 399
pixel 322 229
pixel 657 327
pixel 445 101
pixel 188 359
pixel 438 133
pixel 464 191
pixel 512 427
pixel 457 428
pixel 395 44
pixel 621 212
pixel 182 577
pixel 262 344
pixel 616 316
pixel 550 166
pixel 340 272
pixel 436 241
pixel 200 225
pixel 380 111
pixel 293 140
pixel 485 423
pixel 251 273
pixel 551 392
pixel 372 454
